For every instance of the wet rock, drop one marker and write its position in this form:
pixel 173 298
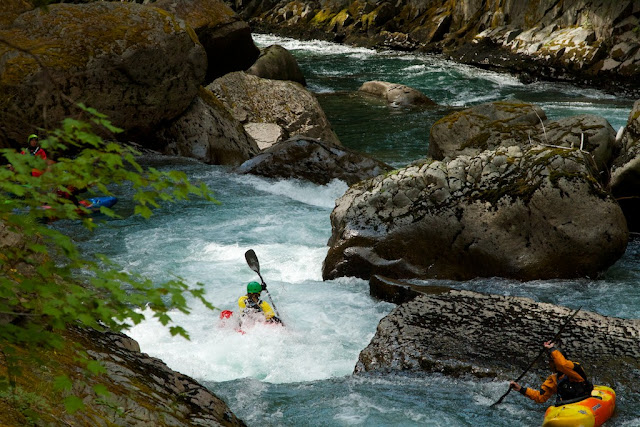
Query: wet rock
pixel 313 160
pixel 144 390
pixel 461 332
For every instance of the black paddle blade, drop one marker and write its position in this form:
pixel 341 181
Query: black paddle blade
pixel 252 260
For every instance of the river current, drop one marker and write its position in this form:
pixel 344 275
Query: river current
pixel 301 375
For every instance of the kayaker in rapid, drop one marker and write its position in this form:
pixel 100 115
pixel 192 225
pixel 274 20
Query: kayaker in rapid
pixel 252 304
pixel 568 380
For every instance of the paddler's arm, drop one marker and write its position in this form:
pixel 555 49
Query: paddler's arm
pixel 267 310
pixel 242 302
pixel 547 389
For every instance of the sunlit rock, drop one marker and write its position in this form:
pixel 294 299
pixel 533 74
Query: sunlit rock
pixel 396 94
pixel 251 99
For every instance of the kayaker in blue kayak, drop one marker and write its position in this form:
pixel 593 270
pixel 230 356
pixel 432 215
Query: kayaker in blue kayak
pixel 568 380
pixel 251 303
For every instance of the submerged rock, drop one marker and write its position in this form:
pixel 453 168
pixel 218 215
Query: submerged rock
pixel 532 214
pixel 313 160
pixel 462 332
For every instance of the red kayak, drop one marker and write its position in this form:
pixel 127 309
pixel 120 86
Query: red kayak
pixel 226 315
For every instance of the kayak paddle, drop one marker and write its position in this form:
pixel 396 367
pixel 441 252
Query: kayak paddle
pixel 537 357
pixel 252 261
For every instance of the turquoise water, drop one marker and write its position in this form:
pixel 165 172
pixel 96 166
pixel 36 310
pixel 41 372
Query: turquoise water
pixel 302 375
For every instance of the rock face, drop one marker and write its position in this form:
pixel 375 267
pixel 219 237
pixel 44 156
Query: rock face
pixel 313 160
pixel 294 109
pixel 531 214
pixel 462 332
pixel 143 391
pixel 593 42
pixel 224 36
pixel 208 132
pixel 277 63
pixel 396 94
pixel 515 123
pixel 137 64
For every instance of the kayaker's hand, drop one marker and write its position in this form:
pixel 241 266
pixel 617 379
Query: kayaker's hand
pixel 514 385
pixel 549 345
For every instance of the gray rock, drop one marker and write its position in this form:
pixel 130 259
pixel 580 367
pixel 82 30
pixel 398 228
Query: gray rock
pixel 144 391
pixel 396 94
pixel 209 133
pixel 526 215
pixel 461 332
pixel 251 99
pixel 277 63
pixel 313 160
pixel 625 173
pixel 514 123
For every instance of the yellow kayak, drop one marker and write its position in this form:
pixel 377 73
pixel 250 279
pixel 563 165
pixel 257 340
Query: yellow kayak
pixel 590 412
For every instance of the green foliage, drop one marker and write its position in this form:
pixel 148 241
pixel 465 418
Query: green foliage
pixel 46 285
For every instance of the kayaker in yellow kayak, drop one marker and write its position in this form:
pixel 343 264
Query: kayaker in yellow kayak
pixel 251 303
pixel 568 380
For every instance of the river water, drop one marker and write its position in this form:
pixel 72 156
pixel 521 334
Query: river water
pixel 301 375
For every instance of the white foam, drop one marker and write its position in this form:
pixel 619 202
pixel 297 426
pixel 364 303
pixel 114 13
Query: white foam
pixel 316 46
pixel 323 196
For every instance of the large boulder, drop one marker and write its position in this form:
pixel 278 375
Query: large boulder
pixel 625 173
pixel 483 127
pixel 207 132
pixel 139 65
pixel 289 105
pixel 462 332
pixel 313 160
pixel 225 37
pixel 515 123
pixel 396 94
pixel 527 215
pixel 277 63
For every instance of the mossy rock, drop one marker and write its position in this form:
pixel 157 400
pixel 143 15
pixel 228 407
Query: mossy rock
pixel 139 65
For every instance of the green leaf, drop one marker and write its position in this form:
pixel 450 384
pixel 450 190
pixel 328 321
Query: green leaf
pixel 61 383
pixel 73 404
